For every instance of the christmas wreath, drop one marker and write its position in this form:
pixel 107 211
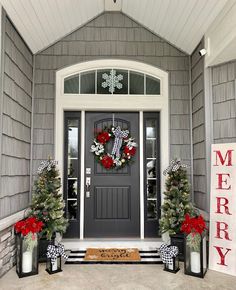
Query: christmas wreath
pixel 124 148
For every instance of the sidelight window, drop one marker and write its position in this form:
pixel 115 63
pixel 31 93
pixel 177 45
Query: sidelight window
pixel 151 173
pixel 71 172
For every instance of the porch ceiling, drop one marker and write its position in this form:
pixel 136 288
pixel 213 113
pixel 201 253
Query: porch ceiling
pixel 181 22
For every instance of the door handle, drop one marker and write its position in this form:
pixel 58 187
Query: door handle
pixel 87 184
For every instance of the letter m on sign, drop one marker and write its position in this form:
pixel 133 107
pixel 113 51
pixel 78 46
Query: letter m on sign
pixel 222 237
pixel 226 160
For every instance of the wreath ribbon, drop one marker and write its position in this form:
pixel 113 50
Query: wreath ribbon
pixel 119 136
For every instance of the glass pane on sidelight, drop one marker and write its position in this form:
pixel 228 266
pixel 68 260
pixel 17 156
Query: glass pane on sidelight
pixel 152 86
pixel 151 189
pixel 87 83
pixel 151 148
pixel 73 168
pixel 71 85
pixel 103 85
pixel 136 83
pixel 72 188
pixel 151 168
pixel 151 209
pixel 72 209
pixel 151 128
pixel 120 81
pixel 73 138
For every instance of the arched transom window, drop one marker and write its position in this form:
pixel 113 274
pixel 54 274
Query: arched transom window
pixel 112 81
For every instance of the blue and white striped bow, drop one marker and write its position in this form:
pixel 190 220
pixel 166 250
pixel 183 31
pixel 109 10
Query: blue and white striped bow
pixel 168 253
pixel 54 251
pixel 119 135
pixel 174 166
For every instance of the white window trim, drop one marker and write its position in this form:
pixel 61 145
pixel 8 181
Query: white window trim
pixel 122 103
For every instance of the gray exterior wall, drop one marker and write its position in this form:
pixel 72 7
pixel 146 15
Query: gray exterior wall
pixel 111 35
pixel 224 102
pixel 198 129
pixel 17 73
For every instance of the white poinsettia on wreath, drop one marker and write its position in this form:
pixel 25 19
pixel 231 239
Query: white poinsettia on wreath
pixel 123 151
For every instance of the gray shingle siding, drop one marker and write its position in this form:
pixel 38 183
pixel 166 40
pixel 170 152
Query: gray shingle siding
pixel 111 35
pixel 224 102
pixel 198 129
pixel 16 121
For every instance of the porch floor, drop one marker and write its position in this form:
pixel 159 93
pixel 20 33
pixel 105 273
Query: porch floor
pixel 116 277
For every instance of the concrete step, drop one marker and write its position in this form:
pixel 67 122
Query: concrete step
pixel 75 244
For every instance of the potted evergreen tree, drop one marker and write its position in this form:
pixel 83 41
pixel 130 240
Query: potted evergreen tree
pixel 48 205
pixel 176 204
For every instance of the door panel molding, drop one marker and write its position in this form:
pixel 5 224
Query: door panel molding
pixel 111 209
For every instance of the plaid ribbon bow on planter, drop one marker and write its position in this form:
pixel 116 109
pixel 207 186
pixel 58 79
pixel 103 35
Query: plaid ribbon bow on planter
pixel 174 166
pixel 54 251
pixel 168 253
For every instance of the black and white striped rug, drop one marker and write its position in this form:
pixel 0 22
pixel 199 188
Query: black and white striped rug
pixel 147 257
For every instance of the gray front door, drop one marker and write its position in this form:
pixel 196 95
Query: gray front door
pixel 112 205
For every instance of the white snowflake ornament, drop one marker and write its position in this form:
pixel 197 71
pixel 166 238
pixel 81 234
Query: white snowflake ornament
pixel 112 81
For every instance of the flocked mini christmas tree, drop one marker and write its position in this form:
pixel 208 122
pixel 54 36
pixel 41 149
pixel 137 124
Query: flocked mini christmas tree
pixel 47 202
pixel 177 198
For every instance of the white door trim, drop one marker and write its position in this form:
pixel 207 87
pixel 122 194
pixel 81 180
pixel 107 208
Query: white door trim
pixel 82 175
pixel 135 103
pixel 141 184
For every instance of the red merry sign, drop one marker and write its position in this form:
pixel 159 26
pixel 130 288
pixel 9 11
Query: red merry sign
pixel 222 244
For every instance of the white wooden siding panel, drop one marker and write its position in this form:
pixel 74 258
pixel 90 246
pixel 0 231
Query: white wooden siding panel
pixel 224 102
pixel 16 116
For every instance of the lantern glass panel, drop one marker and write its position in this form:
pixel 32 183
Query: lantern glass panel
pixel 53 267
pixel 174 267
pixel 27 255
pixel 204 254
pixel 195 258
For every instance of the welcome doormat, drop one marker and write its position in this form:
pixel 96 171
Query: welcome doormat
pixel 112 255
pixel 147 256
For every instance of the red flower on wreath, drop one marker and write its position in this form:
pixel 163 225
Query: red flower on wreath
pixel 130 150
pixel 107 161
pixel 103 137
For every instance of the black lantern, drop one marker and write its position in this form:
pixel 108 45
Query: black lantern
pixel 195 247
pixel 170 257
pixel 26 255
pixel 172 267
pixel 53 265
pixel 178 241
